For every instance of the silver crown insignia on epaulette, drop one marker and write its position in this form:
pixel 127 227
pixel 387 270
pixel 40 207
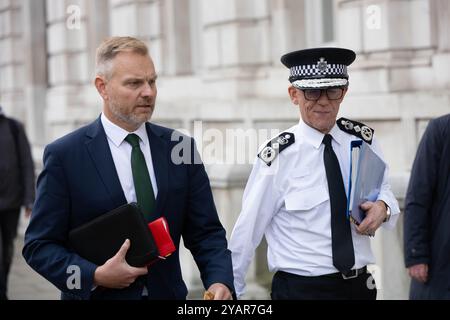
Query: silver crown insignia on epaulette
pixel 365 131
pixel 275 146
pixel 268 154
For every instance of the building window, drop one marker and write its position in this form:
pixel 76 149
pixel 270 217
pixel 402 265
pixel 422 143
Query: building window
pixel 327 21
pixel 195 34
pixel 320 22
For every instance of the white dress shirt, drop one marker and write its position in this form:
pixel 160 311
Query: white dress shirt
pixel 289 203
pixel 121 154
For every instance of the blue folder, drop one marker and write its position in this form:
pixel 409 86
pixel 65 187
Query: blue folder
pixel 365 180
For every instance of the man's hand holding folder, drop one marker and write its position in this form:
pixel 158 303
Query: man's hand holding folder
pixel 366 177
pixel 116 273
pixel 375 215
pixel 101 241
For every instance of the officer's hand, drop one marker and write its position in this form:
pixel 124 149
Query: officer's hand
pixel 220 291
pixel 419 272
pixel 116 273
pixel 375 215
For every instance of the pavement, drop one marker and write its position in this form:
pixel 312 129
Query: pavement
pixel 26 284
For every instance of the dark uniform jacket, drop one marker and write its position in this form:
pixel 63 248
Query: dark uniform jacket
pixel 427 212
pixel 17 185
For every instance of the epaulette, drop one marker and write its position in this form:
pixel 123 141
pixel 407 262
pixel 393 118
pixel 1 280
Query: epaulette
pixel 356 128
pixel 275 146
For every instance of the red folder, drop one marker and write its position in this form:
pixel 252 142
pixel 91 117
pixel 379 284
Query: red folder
pixel 160 231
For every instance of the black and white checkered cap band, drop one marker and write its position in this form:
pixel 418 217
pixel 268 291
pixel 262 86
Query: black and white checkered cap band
pixel 312 70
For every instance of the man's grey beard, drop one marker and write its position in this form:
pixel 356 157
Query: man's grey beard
pixel 130 119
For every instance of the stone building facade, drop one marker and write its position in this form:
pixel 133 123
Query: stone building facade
pixel 220 75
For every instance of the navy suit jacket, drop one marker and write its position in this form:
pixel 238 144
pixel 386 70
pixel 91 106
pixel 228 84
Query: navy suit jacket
pixel 79 182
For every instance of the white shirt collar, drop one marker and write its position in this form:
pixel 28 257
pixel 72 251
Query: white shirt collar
pixel 337 134
pixel 315 137
pixel 117 134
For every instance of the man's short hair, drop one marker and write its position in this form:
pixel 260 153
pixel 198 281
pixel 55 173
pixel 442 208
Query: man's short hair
pixel 111 47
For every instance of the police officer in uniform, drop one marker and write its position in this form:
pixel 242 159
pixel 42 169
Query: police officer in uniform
pixel 296 193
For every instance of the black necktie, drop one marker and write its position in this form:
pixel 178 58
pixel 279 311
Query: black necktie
pixel 141 178
pixel 341 235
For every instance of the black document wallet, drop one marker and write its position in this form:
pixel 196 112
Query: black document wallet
pixel 101 238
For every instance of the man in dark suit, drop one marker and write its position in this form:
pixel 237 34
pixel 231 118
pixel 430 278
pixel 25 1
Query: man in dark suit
pixel 427 215
pixel 96 169
pixel 17 182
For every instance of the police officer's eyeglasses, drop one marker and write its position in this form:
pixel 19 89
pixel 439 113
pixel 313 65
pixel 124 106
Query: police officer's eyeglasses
pixel 315 94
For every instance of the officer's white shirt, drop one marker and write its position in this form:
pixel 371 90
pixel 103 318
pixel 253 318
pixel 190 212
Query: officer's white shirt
pixel 289 203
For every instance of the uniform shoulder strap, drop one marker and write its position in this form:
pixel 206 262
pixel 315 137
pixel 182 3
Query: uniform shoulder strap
pixel 357 129
pixel 275 146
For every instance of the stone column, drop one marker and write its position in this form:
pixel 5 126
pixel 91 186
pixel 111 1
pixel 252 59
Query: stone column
pixel 70 85
pixel 74 30
pixel 288 31
pixel 35 51
pixel 177 26
pixel 143 20
pixel 98 29
pixel 11 59
pixel 440 13
pixel 236 45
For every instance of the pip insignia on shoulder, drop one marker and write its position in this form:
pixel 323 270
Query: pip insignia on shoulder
pixel 275 146
pixel 357 129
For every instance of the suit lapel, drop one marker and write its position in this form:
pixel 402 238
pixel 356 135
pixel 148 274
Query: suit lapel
pixel 98 148
pixel 160 157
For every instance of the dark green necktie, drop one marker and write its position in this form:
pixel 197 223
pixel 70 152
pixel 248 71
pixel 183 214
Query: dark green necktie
pixel 142 183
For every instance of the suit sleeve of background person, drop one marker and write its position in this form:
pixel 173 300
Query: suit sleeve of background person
pixel 426 194
pixel 26 167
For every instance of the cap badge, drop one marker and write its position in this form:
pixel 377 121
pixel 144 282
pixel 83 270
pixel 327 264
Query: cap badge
pixel 322 65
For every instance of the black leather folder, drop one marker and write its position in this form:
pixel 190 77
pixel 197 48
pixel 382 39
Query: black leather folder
pixel 101 238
